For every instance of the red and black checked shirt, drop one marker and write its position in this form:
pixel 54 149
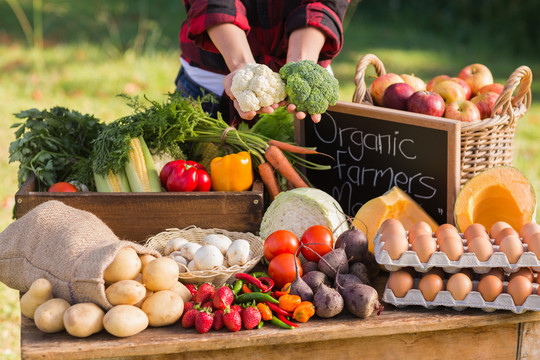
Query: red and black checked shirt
pixel 267 23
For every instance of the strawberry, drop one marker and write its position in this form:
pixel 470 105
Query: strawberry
pixel 203 321
pixel 209 304
pixel 187 306
pixel 232 320
pixel 238 308
pixel 188 320
pixel 251 317
pixel 223 297
pixel 204 293
pixel 218 320
pixel 192 289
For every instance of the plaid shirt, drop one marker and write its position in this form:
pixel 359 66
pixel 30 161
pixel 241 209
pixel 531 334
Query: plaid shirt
pixel 267 23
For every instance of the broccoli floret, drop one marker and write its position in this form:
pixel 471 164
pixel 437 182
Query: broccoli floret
pixel 309 86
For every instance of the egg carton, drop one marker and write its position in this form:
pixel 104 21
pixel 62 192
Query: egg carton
pixel 468 260
pixel 473 300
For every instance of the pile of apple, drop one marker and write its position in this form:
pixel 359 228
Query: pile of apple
pixel 469 97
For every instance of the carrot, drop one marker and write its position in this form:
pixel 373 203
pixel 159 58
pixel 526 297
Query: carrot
pixel 266 171
pixel 280 162
pixel 292 148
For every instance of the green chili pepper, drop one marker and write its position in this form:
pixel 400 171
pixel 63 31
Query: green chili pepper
pixel 237 286
pixel 257 296
pixel 259 274
pixel 261 324
pixel 280 323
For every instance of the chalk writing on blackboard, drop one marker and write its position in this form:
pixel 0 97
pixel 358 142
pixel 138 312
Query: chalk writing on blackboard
pixel 370 156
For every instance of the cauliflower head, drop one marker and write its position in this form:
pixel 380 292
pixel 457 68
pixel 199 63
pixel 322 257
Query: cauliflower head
pixel 309 86
pixel 256 86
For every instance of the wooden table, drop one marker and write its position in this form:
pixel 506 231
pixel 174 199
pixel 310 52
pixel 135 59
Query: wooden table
pixel 410 333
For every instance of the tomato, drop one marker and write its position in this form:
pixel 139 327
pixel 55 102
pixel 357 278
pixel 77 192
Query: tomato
pixel 319 239
pixel 62 187
pixel 279 242
pixel 282 270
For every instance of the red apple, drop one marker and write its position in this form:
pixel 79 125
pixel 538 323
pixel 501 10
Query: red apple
pixel 426 102
pixel 463 83
pixel 484 102
pixel 476 75
pixel 450 91
pixel 396 95
pixel 437 79
pixel 495 87
pixel 462 110
pixel 379 85
pixel 416 83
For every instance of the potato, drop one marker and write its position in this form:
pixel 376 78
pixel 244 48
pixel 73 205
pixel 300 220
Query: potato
pixel 127 292
pixel 49 316
pixel 145 259
pixel 125 266
pixel 160 274
pixel 163 308
pixel 40 291
pixel 125 320
pixel 83 319
pixel 182 290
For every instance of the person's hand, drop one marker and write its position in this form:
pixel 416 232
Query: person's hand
pixel 249 115
pixel 291 108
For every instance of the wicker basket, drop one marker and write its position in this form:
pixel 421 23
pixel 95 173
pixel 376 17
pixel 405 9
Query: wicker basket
pixel 484 144
pixel 219 275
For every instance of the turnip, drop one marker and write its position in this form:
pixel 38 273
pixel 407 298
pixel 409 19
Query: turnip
pixel 314 279
pixel 355 243
pixel 361 300
pixel 328 302
pixel 333 262
pixel 360 270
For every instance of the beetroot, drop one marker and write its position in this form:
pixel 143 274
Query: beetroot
pixel 328 302
pixel 355 243
pixel 361 300
pixel 333 262
pixel 314 279
pixel 300 288
pixel 309 266
pixel 360 270
pixel 344 281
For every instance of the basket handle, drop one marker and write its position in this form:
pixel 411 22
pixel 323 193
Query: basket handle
pixel 522 76
pixel 360 92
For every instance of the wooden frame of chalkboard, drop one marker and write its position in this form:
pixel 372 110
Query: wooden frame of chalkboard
pixel 375 148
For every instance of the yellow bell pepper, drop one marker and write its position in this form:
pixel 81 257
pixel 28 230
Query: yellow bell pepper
pixel 232 172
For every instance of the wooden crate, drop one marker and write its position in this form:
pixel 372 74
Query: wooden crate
pixel 137 216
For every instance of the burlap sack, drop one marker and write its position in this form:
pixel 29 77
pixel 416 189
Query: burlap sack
pixel 69 247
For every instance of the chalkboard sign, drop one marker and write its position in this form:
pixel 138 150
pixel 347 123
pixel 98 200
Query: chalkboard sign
pixel 374 149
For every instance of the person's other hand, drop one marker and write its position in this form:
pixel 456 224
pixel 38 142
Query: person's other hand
pixel 291 108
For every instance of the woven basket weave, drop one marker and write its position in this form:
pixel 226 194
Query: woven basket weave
pixel 484 144
pixel 218 275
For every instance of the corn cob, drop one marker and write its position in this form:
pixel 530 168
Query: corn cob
pixel 140 170
pixel 112 182
pixel 209 151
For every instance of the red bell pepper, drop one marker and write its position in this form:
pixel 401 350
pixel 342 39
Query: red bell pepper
pixel 181 175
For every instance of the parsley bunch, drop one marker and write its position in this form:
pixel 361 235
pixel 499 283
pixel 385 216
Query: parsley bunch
pixel 55 145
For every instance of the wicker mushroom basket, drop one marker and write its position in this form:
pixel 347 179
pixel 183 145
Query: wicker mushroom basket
pixel 484 144
pixel 218 275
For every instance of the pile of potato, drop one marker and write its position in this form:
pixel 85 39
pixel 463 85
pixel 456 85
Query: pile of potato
pixel 142 289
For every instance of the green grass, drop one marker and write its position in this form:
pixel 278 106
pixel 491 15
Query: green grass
pixel 94 51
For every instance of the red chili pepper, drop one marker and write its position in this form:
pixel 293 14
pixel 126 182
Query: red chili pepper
pixel 252 280
pixel 277 309
pixel 245 289
pixel 284 319
pixel 269 283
